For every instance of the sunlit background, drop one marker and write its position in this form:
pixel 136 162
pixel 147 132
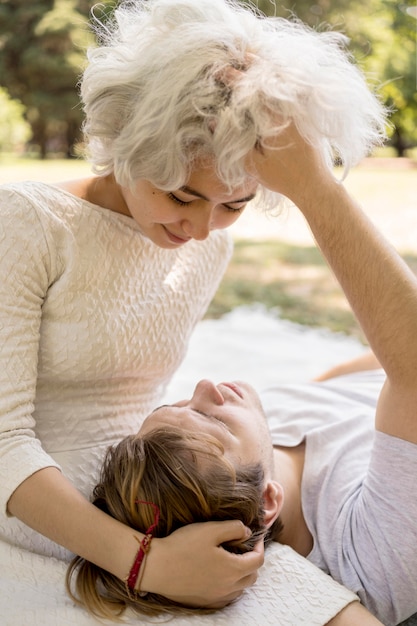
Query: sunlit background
pixel 42 51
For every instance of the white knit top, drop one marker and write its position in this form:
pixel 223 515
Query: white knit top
pixel 94 320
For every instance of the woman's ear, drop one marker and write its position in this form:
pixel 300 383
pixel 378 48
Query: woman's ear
pixel 273 501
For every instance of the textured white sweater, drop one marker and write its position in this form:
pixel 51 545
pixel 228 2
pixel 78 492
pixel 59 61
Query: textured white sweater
pixel 94 320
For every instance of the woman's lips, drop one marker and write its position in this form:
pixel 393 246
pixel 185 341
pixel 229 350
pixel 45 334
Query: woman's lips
pixel 175 238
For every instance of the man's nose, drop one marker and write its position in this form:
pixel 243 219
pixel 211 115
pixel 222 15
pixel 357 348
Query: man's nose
pixel 197 224
pixel 206 391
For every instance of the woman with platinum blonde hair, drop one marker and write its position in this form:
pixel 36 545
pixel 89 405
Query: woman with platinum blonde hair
pixel 177 83
pixel 103 279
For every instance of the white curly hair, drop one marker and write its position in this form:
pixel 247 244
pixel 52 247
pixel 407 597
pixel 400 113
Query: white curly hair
pixel 158 96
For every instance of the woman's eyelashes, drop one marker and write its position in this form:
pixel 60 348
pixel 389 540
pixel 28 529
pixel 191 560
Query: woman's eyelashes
pixel 177 200
pixel 233 210
pixel 174 198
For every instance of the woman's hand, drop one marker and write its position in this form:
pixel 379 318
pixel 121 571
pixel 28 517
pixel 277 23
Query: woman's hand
pixel 289 164
pixel 190 566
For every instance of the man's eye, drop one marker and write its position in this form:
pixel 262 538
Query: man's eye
pixel 203 414
pixel 210 417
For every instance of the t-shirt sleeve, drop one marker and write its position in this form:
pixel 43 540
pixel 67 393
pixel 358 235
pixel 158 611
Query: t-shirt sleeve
pixel 376 532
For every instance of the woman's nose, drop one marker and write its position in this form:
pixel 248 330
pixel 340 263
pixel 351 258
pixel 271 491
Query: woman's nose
pixel 206 392
pixel 197 225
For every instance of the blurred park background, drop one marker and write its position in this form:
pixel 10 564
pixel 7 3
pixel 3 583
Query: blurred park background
pixel 42 53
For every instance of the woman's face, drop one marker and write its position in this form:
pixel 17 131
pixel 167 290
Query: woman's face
pixel 170 219
pixel 230 412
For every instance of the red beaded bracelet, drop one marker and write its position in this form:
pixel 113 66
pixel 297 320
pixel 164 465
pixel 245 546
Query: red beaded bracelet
pixel 144 546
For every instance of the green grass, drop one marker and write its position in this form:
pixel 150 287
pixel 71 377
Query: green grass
pixel 293 280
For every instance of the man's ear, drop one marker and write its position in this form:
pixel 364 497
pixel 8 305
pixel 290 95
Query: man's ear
pixel 273 501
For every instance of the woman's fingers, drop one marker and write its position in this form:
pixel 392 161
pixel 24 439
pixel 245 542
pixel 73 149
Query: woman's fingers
pixel 287 163
pixel 192 567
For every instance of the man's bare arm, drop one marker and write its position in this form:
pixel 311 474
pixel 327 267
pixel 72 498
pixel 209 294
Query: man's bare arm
pixel 381 289
pixel 354 614
pixel 361 363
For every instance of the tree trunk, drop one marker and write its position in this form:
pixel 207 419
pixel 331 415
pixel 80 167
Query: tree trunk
pixel 39 137
pixel 399 142
pixel 73 136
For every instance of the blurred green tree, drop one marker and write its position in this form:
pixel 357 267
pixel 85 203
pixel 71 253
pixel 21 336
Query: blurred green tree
pixel 14 129
pixel 42 51
pixel 385 45
pixel 43 42
pixel 383 42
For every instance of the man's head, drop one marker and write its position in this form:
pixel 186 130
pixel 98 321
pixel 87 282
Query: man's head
pixel 231 415
pixel 231 412
pixel 206 459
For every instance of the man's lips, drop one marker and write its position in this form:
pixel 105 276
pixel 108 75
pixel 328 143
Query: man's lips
pixel 235 388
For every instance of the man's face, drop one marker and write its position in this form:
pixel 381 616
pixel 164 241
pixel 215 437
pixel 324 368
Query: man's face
pixel 230 412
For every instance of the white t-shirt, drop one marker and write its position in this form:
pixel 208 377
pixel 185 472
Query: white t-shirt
pixel 359 488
